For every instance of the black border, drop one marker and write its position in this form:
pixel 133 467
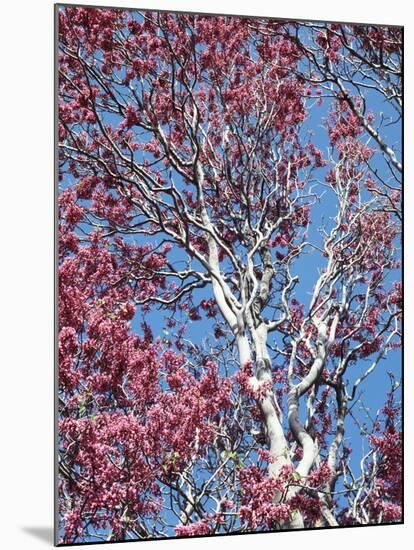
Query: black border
pixel 56 278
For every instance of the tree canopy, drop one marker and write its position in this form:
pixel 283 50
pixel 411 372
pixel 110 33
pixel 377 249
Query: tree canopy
pixel 229 274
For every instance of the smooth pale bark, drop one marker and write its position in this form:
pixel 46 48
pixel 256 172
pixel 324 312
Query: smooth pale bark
pixel 278 446
pixel 239 320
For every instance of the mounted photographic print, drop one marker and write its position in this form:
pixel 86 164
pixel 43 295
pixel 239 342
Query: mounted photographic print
pixel 229 272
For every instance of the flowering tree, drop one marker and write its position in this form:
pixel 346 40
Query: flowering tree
pixel 230 295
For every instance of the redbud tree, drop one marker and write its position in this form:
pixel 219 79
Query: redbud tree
pixel 229 274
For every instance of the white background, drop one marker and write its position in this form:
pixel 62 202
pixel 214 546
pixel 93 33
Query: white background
pixel 26 270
